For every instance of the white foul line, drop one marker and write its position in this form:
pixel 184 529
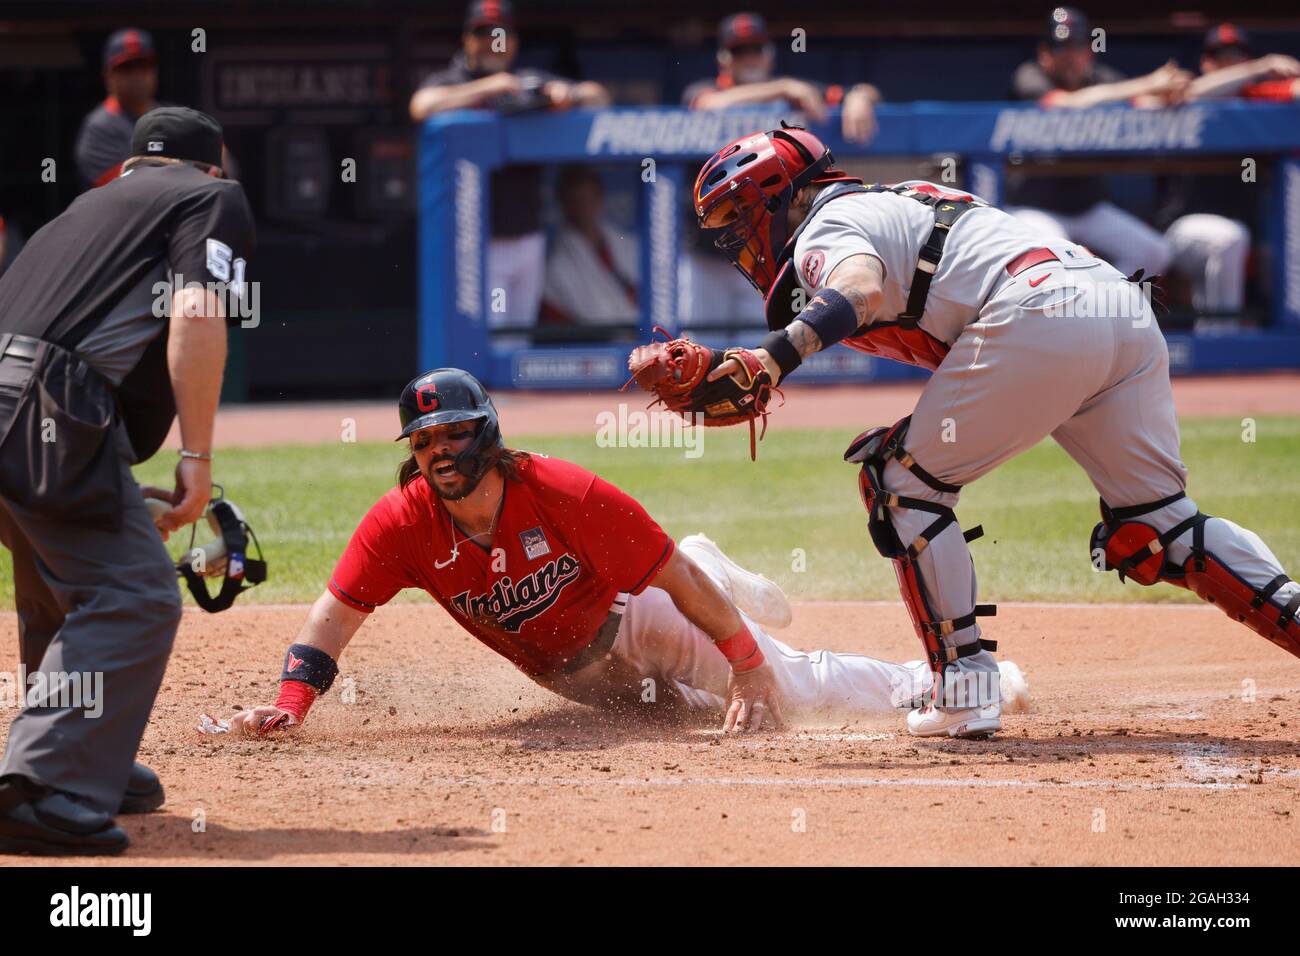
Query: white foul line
pixel 853 782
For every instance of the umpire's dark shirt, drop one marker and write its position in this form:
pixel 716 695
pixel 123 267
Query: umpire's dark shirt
pixel 1068 195
pixel 516 190
pixel 87 279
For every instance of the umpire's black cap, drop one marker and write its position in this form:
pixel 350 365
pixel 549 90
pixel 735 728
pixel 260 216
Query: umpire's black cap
pixel 178 132
pixel 441 397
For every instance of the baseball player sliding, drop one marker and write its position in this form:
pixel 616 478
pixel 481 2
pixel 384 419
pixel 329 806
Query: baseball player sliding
pixel 1026 337
pixel 572 581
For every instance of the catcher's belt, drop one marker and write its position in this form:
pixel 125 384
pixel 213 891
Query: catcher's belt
pixel 1138 551
pixel 902 339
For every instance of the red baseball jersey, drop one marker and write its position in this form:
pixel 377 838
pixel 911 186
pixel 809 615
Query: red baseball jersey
pixel 1278 91
pixel 566 543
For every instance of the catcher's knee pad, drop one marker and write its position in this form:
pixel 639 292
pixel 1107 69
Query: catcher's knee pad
pixel 874 449
pixel 1137 551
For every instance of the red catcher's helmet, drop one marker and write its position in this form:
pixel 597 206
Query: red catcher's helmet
pixel 746 188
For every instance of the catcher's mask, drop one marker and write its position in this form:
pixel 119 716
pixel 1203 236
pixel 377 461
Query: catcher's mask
pixel 448 395
pixel 226 556
pixel 746 188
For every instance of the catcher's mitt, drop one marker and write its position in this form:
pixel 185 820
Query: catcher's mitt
pixel 676 371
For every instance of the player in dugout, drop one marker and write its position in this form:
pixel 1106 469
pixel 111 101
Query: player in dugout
pixel 1208 217
pixel 1066 74
pixel 484 75
pixel 569 579
pixel 746 68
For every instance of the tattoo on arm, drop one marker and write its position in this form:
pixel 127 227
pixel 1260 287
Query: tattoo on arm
pixel 803 338
pixel 849 283
pixel 859 303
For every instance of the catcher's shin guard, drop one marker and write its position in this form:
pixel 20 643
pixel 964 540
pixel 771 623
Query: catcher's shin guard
pixel 1138 551
pixel 874 449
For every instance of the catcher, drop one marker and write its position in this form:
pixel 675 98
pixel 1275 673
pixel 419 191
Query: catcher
pixel 569 579
pixel 1027 336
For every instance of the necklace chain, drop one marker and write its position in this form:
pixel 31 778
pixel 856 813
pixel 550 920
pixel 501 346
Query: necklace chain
pixel 455 545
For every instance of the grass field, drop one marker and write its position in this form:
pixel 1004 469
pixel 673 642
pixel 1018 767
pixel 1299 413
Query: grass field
pixel 796 507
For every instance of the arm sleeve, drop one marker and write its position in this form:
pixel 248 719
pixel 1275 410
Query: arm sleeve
pixel 372 568
pixel 213 237
pixel 1277 91
pixel 827 242
pixel 98 156
pixel 623 542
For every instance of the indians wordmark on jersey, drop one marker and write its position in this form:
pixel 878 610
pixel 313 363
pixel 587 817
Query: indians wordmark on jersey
pixel 509 604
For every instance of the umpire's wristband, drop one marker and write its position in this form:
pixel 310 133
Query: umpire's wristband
pixel 782 350
pixel 310 665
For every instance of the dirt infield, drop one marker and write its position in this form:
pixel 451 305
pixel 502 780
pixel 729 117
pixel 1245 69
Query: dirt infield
pixel 533 413
pixel 1159 735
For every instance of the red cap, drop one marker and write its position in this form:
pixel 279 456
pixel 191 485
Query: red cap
pixel 1225 36
pixel 129 45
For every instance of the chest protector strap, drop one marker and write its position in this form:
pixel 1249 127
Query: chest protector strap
pixel 902 340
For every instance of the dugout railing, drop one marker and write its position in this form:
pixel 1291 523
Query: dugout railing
pixel 662 149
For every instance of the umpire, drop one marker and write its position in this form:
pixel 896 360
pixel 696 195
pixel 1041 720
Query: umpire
pixel 95 363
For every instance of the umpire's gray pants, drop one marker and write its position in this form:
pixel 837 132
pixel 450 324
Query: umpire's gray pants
pixel 89 602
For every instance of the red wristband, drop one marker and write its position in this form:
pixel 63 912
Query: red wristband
pixel 741 650
pixel 296 697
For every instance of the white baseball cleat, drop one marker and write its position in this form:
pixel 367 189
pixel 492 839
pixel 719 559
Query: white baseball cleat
pixel 761 599
pixel 959 722
pixel 1013 694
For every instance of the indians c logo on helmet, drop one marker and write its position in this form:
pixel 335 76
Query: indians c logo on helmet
pixel 426 397
pixel 812 268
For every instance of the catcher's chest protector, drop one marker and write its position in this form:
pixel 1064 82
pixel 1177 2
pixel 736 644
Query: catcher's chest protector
pixel 911 346
pixel 902 340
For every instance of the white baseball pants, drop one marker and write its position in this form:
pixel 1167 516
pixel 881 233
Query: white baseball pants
pixel 656 641
pixel 1074 353
pixel 1211 251
pixel 516 268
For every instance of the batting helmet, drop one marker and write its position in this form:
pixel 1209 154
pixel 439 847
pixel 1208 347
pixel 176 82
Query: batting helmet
pixel 746 188
pixel 448 395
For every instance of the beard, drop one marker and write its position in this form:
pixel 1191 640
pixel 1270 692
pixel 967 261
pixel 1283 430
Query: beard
pixel 453 487
pixel 751 74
